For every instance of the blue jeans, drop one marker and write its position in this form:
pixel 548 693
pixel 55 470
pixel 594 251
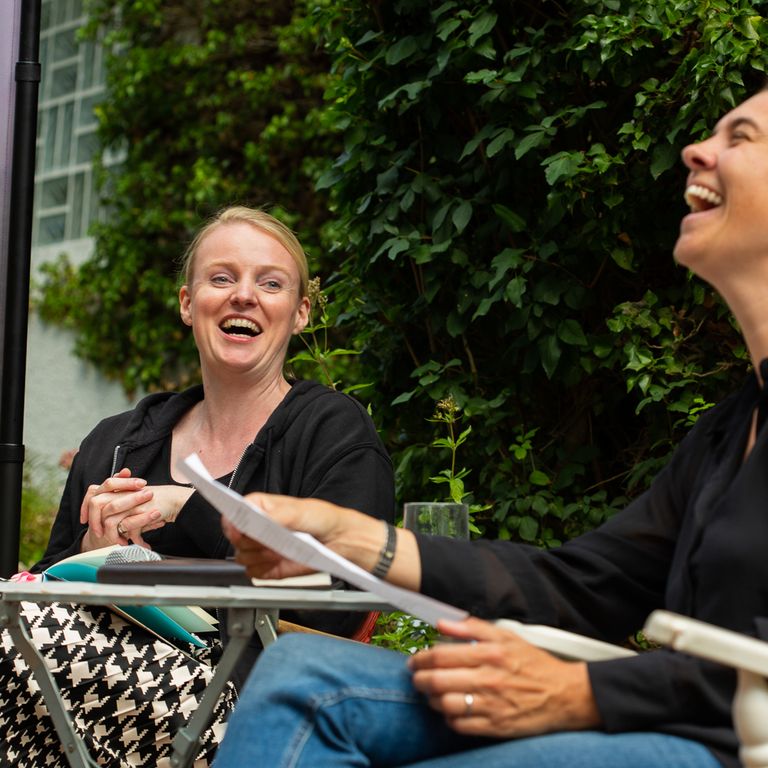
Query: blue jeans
pixel 314 702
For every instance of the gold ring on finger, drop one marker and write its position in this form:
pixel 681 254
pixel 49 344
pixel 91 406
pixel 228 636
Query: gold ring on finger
pixel 469 701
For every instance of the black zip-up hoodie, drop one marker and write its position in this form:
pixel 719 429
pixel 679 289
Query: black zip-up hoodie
pixel 317 443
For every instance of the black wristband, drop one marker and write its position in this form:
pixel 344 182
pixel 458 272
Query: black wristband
pixel 387 554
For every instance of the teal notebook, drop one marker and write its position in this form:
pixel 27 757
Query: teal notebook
pixel 83 567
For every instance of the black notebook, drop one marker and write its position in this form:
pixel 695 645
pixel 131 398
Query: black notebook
pixel 199 571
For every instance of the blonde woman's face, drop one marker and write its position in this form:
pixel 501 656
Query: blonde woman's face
pixel 243 303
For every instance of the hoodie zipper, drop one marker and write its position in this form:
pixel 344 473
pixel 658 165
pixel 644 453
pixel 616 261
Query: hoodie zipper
pixel 114 460
pixel 237 466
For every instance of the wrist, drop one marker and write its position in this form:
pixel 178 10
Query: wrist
pixel 361 539
pixel 386 553
pixel 178 500
pixel 579 706
pixel 362 543
pixel 85 544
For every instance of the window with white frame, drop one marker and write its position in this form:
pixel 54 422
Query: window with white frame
pixel 72 84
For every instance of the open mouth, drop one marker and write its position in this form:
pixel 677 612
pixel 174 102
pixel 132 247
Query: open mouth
pixel 701 198
pixel 240 326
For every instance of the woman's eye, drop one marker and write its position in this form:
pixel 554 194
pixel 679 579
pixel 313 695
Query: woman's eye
pixel 221 280
pixel 271 286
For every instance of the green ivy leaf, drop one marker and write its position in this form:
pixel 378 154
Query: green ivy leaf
pixel 664 156
pixel 570 332
pixel 563 165
pixel 461 215
pixel 549 352
pixel 529 528
pixel 514 221
pixel 481 26
pixel 499 142
pixel 402 49
pixel 529 142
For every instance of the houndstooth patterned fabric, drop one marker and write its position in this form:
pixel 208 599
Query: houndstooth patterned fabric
pixel 127 692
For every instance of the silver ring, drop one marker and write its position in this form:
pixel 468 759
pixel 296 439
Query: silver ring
pixel 121 531
pixel 469 701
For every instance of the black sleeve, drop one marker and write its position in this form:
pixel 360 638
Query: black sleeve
pixel 602 584
pixel 664 690
pixel 345 461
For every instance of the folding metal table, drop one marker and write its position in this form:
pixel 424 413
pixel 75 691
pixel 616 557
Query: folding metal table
pixel 247 608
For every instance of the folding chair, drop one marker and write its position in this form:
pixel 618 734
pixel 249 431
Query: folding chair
pixel 750 658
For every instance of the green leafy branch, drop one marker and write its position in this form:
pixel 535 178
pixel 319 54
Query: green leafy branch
pixel 331 362
pixel 448 413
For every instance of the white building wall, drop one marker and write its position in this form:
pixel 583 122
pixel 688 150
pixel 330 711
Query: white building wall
pixel 65 396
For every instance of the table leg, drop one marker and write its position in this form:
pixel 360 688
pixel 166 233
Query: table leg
pixel 266 625
pixel 73 746
pixel 240 622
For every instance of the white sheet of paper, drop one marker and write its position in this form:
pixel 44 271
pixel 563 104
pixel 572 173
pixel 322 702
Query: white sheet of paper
pixel 303 548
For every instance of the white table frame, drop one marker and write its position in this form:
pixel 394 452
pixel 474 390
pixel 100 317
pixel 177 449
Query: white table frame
pixel 247 608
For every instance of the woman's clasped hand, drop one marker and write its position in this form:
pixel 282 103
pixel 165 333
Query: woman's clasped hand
pixel 123 507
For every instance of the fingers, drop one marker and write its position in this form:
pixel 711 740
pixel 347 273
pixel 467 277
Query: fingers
pixel 131 527
pixel 108 500
pixel 458 705
pixel 464 712
pixel 232 533
pixel 485 644
pixel 320 518
pixel 122 530
pixel 93 490
pixel 260 562
pixel 473 629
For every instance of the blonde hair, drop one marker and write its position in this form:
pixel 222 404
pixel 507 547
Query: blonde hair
pixel 260 220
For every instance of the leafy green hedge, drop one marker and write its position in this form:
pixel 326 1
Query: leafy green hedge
pixel 510 191
pixel 498 192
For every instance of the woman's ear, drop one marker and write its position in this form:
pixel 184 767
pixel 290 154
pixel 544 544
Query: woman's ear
pixel 302 316
pixel 185 302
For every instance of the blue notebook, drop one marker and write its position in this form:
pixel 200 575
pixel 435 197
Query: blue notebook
pixel 83 567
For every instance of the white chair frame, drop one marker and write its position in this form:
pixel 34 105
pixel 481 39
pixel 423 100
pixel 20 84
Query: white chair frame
pixel 748 655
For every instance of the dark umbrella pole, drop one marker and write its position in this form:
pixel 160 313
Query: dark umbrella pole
pixel 27 77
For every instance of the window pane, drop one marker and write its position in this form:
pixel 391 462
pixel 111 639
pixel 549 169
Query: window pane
pixel 64 45
pixel 45 15
pixel 43 50
pixel 58 12
pixel 87 75
pixel 54 193
pixel 66 134
pixel 64 81
pixel 86 110
pixel 50 137
pixel 87 146
pixel 51 229
pixel 78 226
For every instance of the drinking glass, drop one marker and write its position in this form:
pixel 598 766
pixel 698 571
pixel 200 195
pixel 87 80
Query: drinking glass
pixel 438 518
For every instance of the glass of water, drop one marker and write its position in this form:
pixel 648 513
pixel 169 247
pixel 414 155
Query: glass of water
pixel 437 518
